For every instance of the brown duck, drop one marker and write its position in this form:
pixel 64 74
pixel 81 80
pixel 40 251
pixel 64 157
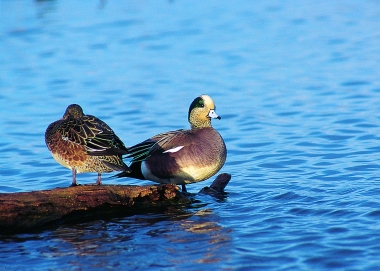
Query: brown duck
pixel 182 156
pixel 84 143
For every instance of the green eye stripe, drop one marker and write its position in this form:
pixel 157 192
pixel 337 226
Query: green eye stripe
pixel 197 103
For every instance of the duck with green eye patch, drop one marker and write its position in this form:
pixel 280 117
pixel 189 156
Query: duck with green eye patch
pixel 181 156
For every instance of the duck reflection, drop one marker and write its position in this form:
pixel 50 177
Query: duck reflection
pixel 174 237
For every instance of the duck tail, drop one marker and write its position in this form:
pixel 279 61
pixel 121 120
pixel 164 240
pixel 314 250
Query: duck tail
pixel 133 172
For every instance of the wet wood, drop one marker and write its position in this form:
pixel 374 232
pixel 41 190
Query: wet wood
pixel 35 210
pixel 31 210
pixel 216 189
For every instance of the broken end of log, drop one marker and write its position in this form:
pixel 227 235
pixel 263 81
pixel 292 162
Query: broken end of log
pixel 216 189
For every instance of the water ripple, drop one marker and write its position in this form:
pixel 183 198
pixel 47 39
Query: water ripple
pixel 298 92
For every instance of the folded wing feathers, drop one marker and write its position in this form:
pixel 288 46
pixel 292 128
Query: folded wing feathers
pixel 158 143
pixel 140 151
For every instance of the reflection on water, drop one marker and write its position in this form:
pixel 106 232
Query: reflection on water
pixel 128 242
pixel 296 85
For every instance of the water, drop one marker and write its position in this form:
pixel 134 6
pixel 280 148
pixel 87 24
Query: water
pixel 297 86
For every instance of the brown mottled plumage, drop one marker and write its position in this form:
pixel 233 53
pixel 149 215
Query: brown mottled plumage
pixel 84 143
pixel 182 156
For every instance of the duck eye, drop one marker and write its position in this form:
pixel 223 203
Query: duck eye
pixel 201 104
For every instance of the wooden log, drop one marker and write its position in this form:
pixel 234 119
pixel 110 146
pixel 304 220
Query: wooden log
pixel 26 211
pixel 32 210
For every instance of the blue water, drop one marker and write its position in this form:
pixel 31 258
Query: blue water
pixel 297 84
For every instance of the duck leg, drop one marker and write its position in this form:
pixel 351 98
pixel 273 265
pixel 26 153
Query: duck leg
pixel 184 190
pixel 99 180
pixel 74 182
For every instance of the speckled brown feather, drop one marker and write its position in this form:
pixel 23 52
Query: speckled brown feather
pixel 84 143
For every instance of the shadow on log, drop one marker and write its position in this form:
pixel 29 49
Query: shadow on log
pixel 26 211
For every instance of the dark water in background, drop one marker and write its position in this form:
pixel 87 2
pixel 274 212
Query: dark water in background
pixel 297 86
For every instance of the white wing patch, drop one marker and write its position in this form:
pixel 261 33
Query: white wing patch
pixel 174 149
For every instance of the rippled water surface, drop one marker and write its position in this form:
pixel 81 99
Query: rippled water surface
pixel 297 86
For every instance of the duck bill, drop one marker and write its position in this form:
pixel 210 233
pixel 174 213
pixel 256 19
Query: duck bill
pixel 213 115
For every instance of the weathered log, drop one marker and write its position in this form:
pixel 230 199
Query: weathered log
pixel 34 210
pixel 216 189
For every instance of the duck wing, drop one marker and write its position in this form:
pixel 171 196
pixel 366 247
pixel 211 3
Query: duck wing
pixel 95 135
pixel 157 144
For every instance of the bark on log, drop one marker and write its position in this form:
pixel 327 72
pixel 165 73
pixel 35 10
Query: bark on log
pixel 26 211
pixel 32 210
